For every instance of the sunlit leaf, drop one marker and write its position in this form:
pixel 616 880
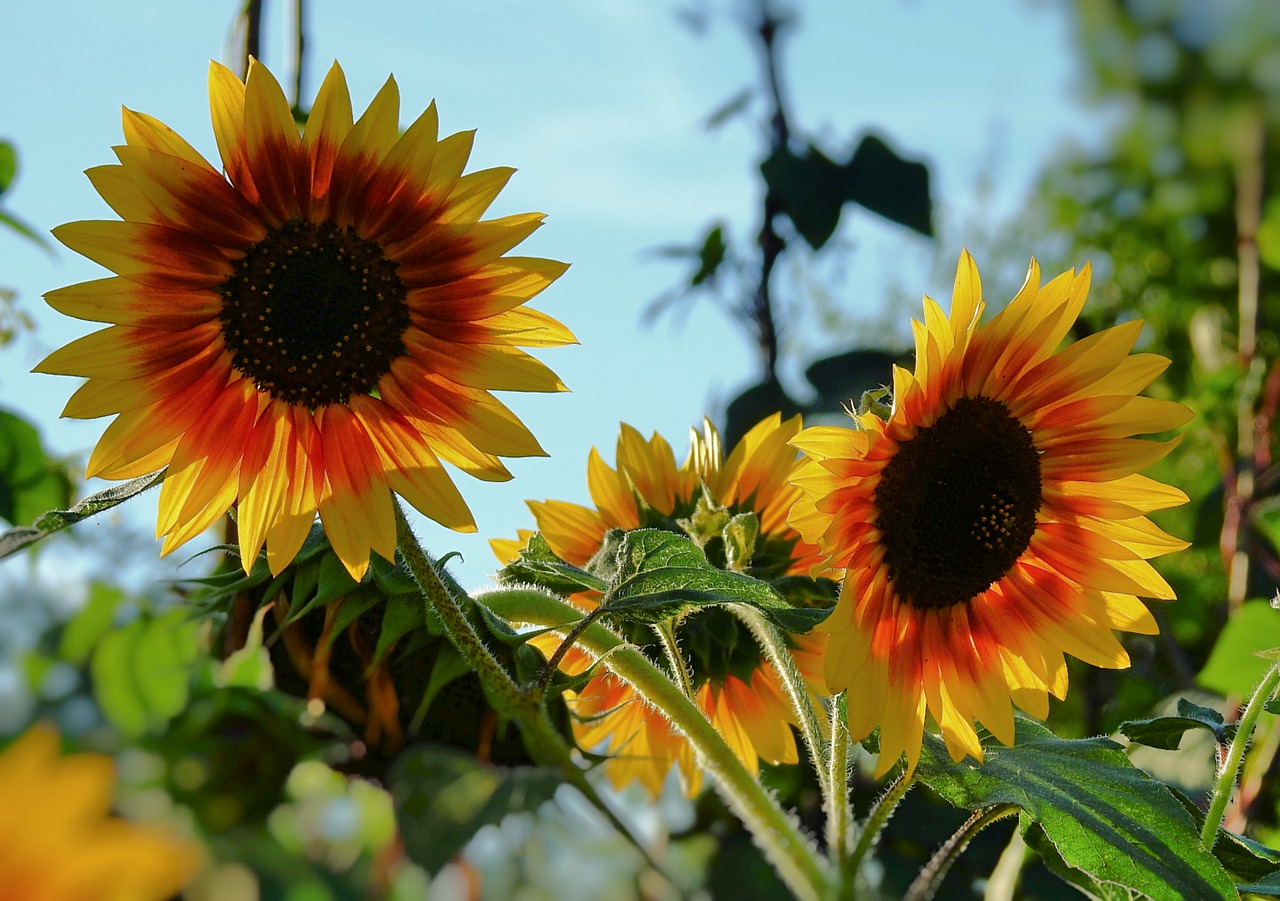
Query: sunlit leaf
pixel 15 540
pixel 1107 819
pixel 661 574
pixel 1233 667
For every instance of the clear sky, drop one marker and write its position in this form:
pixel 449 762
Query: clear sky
pixel 601 105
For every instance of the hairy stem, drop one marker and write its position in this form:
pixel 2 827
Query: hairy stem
pixel 835 802
pixel 667 635
pixel 545 744
pixel 1225 785
pixel 931 875
pixel 791 853
pixel 880 813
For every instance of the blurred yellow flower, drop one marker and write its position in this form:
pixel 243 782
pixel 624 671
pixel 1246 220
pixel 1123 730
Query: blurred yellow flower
pixel 312 332
pixel 57 842
pixel 995 521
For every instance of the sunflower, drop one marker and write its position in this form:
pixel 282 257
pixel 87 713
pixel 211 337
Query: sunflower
pixel 57 842
pixel 314 331
pixel 995 521
pixel 734 686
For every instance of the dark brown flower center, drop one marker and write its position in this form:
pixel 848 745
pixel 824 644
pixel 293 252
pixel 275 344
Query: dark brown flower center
pixel 313 313
pixel 958 504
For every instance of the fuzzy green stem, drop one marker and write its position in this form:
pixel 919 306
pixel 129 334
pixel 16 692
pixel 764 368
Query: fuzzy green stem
pixel 925 885
pixel 839 812
pixel 880 813
pixel 791 853
pixel 667 635
pixel 774 645
pixel 545 744
pixel 553 664
pixel 1226 783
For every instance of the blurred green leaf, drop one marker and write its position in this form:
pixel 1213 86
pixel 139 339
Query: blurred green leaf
pixel 1166 731
pixel 30 482
pixel 442 796
pixel 734 106
pixel 813 189
pixel 1233 667
pixel 710 257
pixel 250 666
pixel 9 171
pixel 90 624
pixel 887 184
pixel 142 672
pixel 1107 819
pixel 15 540
pixel 8 165
pixel 661 574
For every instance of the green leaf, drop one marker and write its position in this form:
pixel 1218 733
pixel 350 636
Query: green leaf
pixel 662 574
pixel 15 540
pixel 811 189
pixel 30 482
pixel 1267 885
pixel 734 106
pixel 1103 816
pixel 142 672
pixel 403 614
pixel 8 165
pixel 539 565
pixel 710 257
pixel 249 667
pixel 1244 858
pixel 25 230
pixel 90 624
pixel 332 582
pixel 885 183
pixel 1166 732
pixel 443 796
pixel 1233 667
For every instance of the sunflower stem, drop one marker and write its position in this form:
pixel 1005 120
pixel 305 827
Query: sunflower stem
pixel 1226 782
pixel 667 635
pixel 545 744
pixel 792 854
pixel 880 813
pixel 544 680
pixel 835 791
pixel 926 884
pixel 774 645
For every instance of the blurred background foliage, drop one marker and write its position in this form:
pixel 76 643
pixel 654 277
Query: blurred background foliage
pixel 403 778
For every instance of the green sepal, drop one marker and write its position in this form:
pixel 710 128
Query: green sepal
pixel 539 565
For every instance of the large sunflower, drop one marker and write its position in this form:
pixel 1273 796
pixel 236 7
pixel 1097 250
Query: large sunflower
pixel 733 685
pixel 57 842
pixel 312 332
pixel 995 521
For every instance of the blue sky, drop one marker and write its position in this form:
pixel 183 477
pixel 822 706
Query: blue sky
pixel 601 106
